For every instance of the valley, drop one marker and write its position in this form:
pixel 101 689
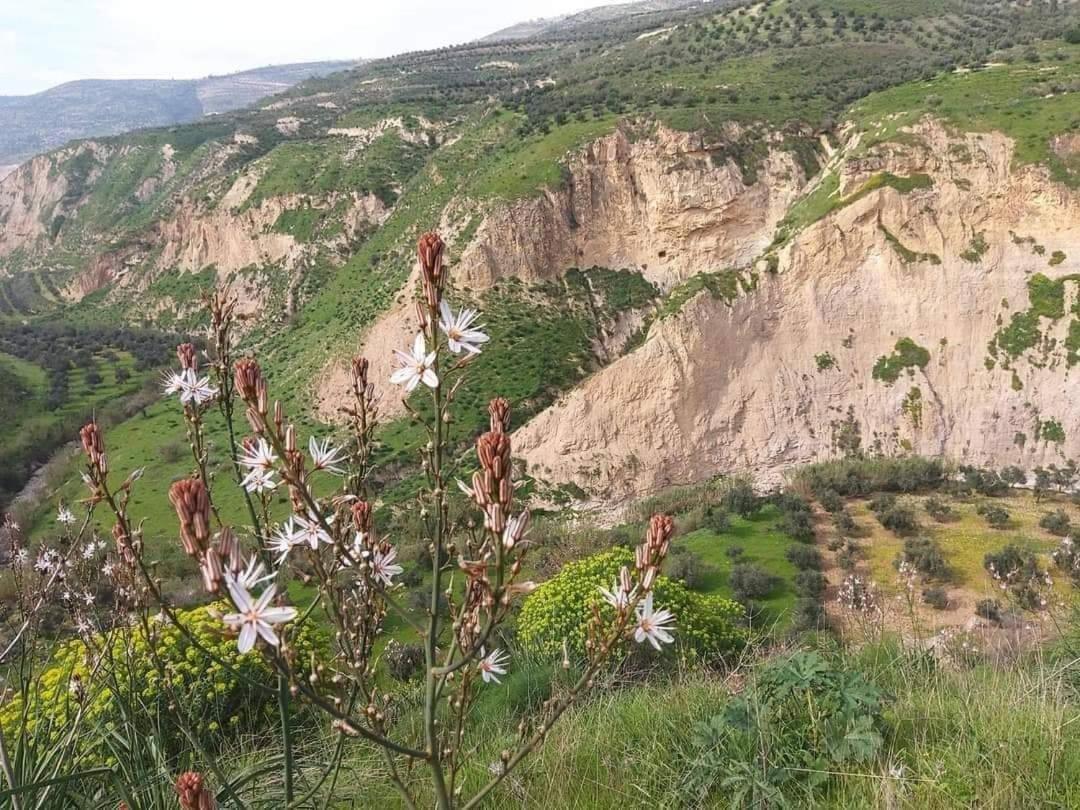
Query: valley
pixel 769 309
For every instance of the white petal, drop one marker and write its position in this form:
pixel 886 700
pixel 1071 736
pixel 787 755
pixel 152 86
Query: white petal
pixel 247 638
pixel 431 380
pixel 267 632
pixel 279 615
pixel 419 349
pixel 402 374
pixel 414 380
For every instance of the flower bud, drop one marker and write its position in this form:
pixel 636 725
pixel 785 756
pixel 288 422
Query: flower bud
pixel 192 504
pixel 249 381
pixel 193 793
pixel 93 442
pixel 361 514
pixel 429 250
pixel 499 412
pixel 185 353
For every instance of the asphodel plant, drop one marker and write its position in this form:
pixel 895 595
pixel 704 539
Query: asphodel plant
pixel 329 538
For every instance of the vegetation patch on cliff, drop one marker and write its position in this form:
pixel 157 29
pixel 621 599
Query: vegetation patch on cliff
pixel 907 355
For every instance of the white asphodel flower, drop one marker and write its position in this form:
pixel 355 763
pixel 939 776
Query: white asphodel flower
pixel 493 665
pixel 383 567
pixel 617 597
pixel 65 516
pixel 655 626
pixel 284 539
pixel 310 531
pixel 189 386
pixel 325 457
pixel 255 617
pixel 416 367
pixel 260 456
pixel 459 330
pixel 259 480
pixel 254 574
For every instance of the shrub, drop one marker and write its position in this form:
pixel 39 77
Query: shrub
pixel 1057 523
pixel 560 608
pixel 739 498
pixel 716 520
pixel 996 517
pixel 831 501
pixel 798 526
pixel 1018 571
pixel 985 482
pixel 404 661
pixel 989 609
pixel 799 718
pixel 936 597
pixel 845 524
pixel 847 558
pixel 749 581
pixel 733 552
pixel 939 510
pixel 217 703
pixel 808 614
pixel 882 502
pixel 862 476
pixel 925 556
pixel 810 584
pixel 803 557
pixel 899 519
pixel 686 567
pixel 1066 558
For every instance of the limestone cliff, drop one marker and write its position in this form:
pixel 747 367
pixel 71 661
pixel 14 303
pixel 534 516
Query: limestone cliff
pixel 784 373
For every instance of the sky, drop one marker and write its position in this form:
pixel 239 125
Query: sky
pixel 47 42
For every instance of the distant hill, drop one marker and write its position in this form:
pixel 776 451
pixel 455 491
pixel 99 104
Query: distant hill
pixel 95 107
pixel 615 12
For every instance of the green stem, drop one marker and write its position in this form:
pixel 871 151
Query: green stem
pixel 286 736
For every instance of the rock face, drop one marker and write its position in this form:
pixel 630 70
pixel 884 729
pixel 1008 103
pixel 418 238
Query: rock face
pixel 662 205
pixel 767 382
pixel 25 195
pixel 666 205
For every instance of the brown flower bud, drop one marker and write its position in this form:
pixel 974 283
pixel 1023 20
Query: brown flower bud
pixel 360 367
pixel 430 250
pixel 248 378
pixel 193 792
pixel 493 450
pixel 212 570
pixel 93 442
pixel 124 546
pixel 228 549
pixel 499 411
pixel 192 504
pixel 361 515
pixel 185 353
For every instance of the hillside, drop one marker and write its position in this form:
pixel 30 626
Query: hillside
pixel 761 176
pixel 722 452
pixel 95 108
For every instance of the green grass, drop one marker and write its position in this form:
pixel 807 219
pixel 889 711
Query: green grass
pixel 1015 99
pixel 763 545
pixel 825 198
pixel 523 166
pixel 324 166
pixel 965 541
pixel 723 285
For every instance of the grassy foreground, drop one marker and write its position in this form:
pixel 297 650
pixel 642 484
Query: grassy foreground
pixel 970 737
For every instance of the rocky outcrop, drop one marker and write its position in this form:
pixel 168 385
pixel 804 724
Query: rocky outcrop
pixel 669 205
pixel 28 195
pixel 666 205
pixel 777 377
